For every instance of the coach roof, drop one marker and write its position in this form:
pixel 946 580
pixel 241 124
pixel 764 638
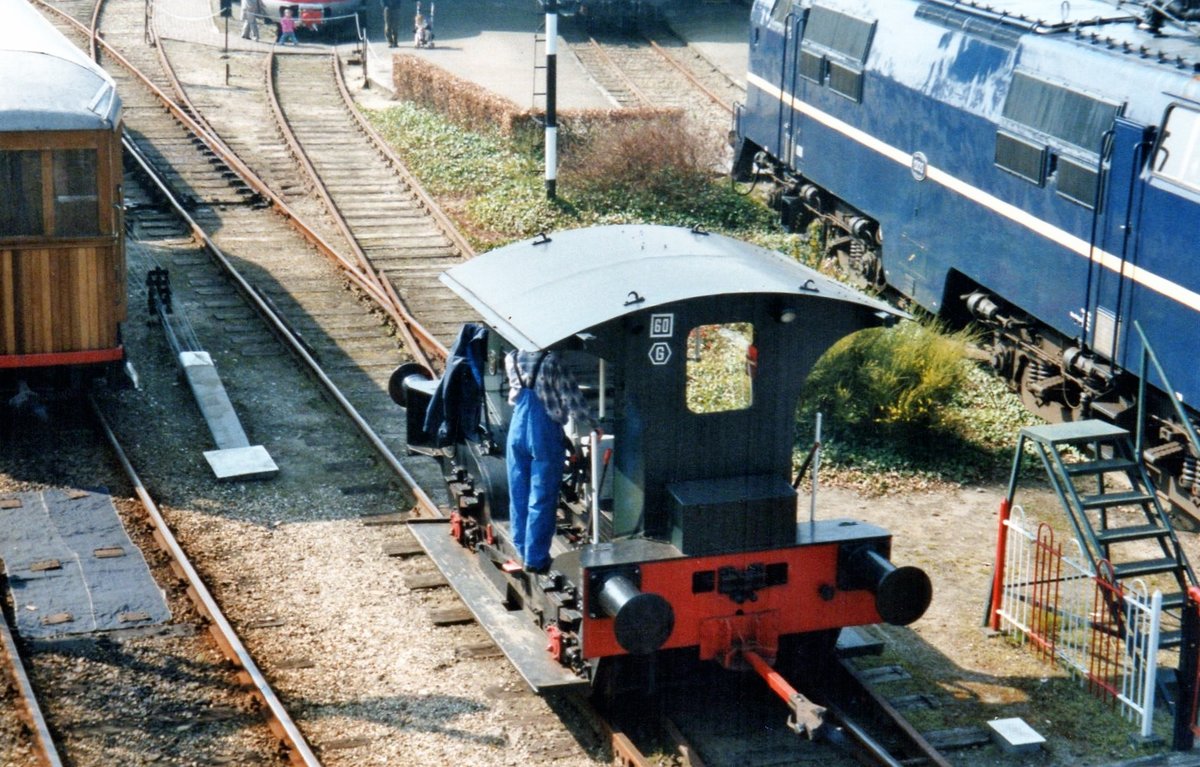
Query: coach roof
pixel 539 292
pixel 50 84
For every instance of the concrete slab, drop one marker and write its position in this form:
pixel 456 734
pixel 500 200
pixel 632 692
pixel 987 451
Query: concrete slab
pixel 720 31
pixel 1015 736
pixel 488 42
pixel 492 43
pixel 252 462
pixel 212 399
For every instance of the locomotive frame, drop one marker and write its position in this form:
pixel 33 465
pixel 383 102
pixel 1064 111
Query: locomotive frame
pixel 677 537
pixel 62 247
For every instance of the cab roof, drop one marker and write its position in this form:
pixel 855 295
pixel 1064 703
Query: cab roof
pixel 540 292
pixel 58 88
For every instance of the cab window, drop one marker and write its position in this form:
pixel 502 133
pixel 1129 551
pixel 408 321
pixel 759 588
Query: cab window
pixel 720 367
pixel 1178 155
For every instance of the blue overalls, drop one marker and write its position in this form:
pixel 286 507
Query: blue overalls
pixel 535 471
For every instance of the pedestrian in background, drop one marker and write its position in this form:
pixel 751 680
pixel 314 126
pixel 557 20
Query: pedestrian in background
pixel 391 21
pixel 287 28
pixel 251 10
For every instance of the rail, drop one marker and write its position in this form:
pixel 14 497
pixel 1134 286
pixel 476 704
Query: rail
pixel 284 332
pixel 400 314
pixel 364 279
pixel 612 65
pixel 717 100
pixel 34 718
pixel 231 645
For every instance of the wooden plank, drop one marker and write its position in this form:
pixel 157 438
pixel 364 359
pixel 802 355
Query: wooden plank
pixel 421 581
pixel 479 651
pixel 64 306
pixel 449 616
pixel 43 338
pixel 402 548
pixel 90 285
pixel 8 328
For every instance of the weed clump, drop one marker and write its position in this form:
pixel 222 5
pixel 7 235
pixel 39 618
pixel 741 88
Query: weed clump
pixel 654 170
pixel 906 375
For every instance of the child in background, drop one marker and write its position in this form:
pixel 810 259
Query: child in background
pixel 287 28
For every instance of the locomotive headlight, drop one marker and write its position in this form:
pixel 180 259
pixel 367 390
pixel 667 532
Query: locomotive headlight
pixel 786 315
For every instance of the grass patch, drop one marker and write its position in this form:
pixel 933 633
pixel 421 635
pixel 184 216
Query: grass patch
pixel 494 187
pixel 905 408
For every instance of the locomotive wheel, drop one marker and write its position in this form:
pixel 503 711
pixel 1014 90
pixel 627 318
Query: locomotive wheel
pixel 1050 408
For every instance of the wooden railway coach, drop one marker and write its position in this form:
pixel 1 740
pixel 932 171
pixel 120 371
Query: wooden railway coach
pixel 62 250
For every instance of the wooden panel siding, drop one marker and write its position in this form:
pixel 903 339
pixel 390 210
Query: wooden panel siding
pixel 61 298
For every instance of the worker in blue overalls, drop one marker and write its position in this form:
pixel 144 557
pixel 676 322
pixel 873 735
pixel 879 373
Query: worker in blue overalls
pixel 544 395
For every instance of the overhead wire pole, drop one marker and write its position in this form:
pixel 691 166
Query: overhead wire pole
pixel 551 85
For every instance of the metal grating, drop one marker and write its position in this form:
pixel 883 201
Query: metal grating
pixel 1021 157
pixel 1077 182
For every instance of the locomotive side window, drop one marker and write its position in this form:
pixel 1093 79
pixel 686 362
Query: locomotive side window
pixel 21 181
pixel 1020 157
pixel 1178 156
pixel 76 203
pixel 1054 115
pixel 720 368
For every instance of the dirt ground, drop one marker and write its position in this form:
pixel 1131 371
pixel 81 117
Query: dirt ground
pixel 966 674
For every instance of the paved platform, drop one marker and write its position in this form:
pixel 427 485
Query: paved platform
pixel 488 42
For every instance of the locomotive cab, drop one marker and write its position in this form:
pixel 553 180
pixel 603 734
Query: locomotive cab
pixel 677 529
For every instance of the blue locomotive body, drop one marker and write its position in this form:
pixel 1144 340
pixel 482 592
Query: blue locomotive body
pixel 1040 175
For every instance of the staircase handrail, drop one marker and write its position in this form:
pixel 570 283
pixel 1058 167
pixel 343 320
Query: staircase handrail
pixel 1148 355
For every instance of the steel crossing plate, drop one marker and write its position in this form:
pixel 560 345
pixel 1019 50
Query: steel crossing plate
pixel 513 631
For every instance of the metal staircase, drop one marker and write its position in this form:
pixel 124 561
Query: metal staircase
pixel 1122 523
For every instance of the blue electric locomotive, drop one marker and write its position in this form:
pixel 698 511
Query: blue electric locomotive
pixel 1035 166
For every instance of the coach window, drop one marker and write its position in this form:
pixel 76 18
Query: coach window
pixel 1178 155
pixel 21 181
pixel 76 203
pixel 720 367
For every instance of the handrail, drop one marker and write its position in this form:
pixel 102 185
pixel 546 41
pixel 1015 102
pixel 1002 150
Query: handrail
pixel 1148 355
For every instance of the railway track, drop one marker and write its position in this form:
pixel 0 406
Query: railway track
pixel 329 483
pixel 390 223
pixel 639 71
pixel 129 694
pixel 342 330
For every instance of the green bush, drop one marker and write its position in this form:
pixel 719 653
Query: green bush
pixel 904 375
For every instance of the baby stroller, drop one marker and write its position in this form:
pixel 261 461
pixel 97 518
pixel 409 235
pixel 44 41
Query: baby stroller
pixel 423 28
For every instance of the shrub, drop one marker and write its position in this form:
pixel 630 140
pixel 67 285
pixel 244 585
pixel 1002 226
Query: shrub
pixel 904 375
pixel 655 170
